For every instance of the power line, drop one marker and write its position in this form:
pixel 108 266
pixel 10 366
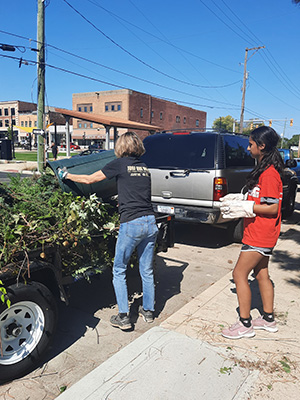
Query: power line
pixel 110 68
pixel 291 87
pixel 31 62
pixel 128 52
pixel 162 40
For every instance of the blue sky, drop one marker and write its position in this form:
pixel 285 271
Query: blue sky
pixel 190 52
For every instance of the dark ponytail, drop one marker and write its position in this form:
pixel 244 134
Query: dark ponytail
pixel 267 136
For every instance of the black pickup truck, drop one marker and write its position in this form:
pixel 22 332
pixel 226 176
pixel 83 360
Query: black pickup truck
pixel 30 295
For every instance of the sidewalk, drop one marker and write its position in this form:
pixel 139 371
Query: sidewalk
pixel 186 358
pixel 25 167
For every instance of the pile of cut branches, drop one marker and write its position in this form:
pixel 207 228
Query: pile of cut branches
pixel 36 214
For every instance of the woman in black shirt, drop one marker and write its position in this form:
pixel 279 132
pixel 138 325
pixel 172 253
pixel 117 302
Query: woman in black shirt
pixel 138 227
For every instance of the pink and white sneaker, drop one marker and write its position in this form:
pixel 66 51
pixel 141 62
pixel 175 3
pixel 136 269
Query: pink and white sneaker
pixel 260 323
pixel 237 331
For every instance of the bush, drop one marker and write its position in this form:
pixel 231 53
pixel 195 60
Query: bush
pixel 35 214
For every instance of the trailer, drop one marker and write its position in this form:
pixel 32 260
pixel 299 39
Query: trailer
pixel 30 293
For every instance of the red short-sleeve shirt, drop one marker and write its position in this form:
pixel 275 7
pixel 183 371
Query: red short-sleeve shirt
pixel 264 230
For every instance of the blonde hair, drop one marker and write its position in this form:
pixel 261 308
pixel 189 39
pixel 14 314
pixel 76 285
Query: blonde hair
pixel 129 145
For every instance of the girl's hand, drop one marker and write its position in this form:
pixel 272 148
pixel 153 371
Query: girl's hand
pixel 237 209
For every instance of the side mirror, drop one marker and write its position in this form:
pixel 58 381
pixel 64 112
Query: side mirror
pixel 291 163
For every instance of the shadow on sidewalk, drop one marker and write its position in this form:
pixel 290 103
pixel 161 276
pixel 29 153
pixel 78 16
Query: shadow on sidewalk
pixel 88 298
pixel 202 235
pixel 256 301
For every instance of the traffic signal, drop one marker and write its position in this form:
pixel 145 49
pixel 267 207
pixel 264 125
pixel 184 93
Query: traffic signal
pixel 291 122
pixel 270 122
pixel 251 125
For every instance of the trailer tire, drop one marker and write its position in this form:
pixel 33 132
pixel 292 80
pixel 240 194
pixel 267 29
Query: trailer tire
pixel 26 328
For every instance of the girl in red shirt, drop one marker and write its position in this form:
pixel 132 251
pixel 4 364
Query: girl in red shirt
pixel 262 210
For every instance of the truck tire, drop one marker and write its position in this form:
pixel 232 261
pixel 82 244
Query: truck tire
pixel 290 203
pixel 236 230
pixel 26 328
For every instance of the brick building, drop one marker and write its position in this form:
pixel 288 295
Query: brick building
pixel 134 106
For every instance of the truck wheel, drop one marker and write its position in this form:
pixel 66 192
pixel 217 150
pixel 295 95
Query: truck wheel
pixel 290 204
pixel 236 230
pixel 26 328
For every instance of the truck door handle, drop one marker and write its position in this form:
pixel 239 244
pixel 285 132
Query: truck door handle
pixel 180 173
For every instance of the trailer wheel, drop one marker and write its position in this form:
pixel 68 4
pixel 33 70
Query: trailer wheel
pixel 26 328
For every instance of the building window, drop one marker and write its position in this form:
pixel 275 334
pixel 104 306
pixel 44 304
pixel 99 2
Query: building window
pixel 91 125
pixel 0 112
pixel 35 123
pixel 6 122
pixel 79 125
pixel 26 123
pixel 79 108
pixel 197 122
pixel 22 123
pixel 85 125
pixel 12 111
pixel 91 108
pixel 177 118
pixel 141 113
pixel 184 120
pixel 114 106
pixel 152 114
pixel 14 122
pixel 1 123
pixel 29 124
pixel 85 109
pixel 5 111
pixel 160 115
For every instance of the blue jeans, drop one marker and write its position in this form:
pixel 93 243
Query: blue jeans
pixel 140 233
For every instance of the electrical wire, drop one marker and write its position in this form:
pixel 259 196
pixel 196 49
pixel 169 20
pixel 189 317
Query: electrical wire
pixel 162 40
pixel 31 62
pixel 110 68
pixel 128 52
pixel 270 63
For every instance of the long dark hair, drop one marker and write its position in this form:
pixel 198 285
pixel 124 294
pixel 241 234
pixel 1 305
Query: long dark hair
pixel 267 136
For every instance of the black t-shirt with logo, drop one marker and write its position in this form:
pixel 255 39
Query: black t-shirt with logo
pixel 134 187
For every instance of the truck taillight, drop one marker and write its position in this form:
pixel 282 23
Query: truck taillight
pixel 220 188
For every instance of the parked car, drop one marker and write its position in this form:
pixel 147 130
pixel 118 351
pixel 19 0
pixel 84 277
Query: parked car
pixel 88 152
pixel 290 161
pixel 192 170
pixel 73 146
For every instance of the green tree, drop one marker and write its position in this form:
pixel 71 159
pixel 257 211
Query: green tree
pixel 250 126
pixel 223 123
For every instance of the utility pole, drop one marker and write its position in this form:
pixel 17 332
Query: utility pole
pixel 282 139
pixel 244 83
pixel 41 83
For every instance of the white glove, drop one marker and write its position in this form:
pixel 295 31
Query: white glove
pixel 233 196
pixel 237 209
pixel 62 173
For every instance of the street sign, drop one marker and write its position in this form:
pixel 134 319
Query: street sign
pixel 38 131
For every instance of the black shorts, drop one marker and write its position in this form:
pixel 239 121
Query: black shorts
pixel 265 251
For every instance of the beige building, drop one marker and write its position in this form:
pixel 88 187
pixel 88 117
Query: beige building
pixel 134 106
pixel 22 114
pixel 10 112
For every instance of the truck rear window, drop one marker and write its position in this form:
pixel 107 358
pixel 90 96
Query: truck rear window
pixel 236 153
pixel 180 151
